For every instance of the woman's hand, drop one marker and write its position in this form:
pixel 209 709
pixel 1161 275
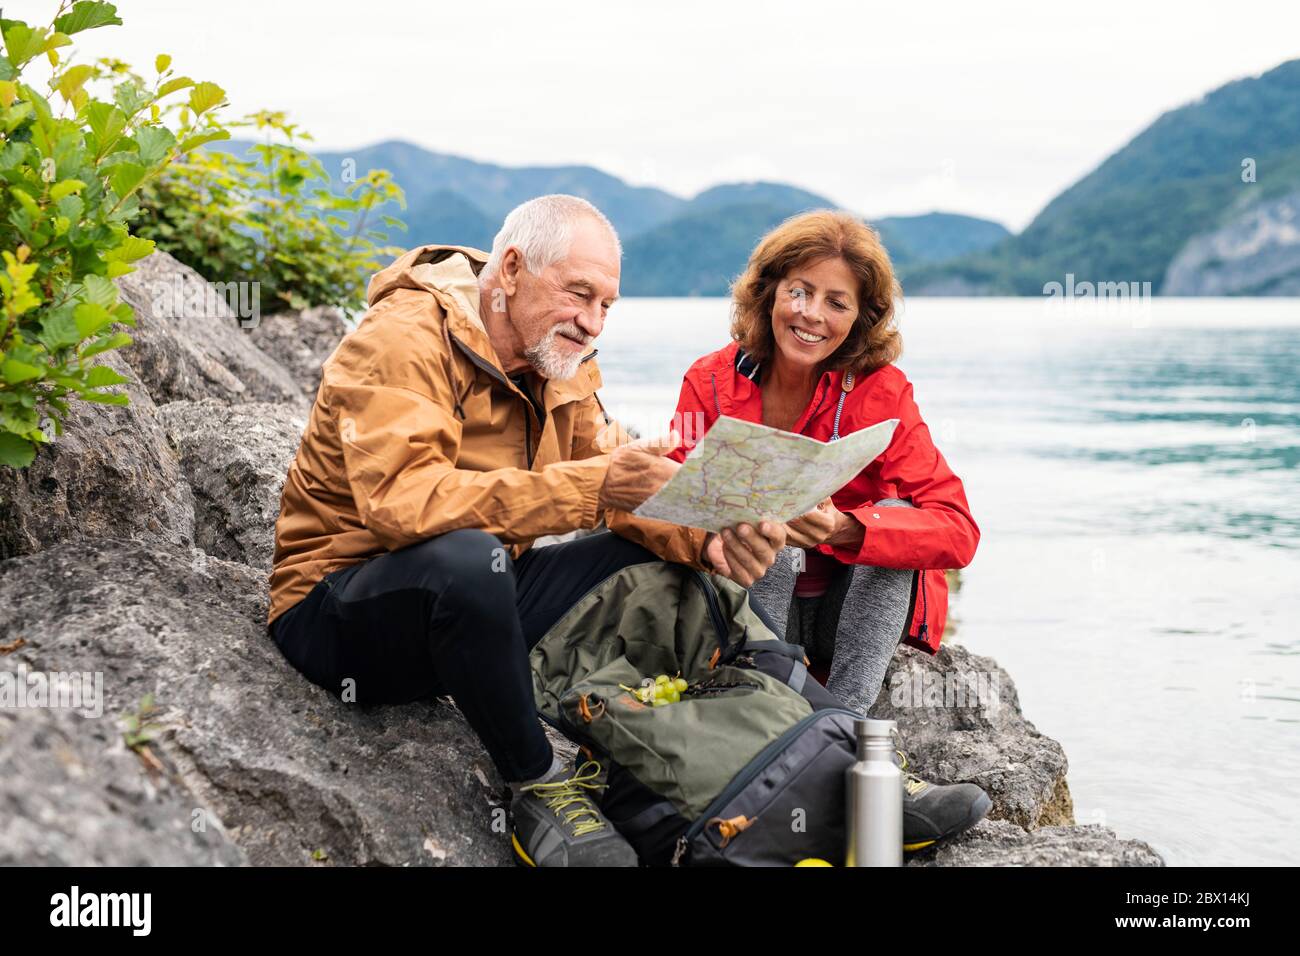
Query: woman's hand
pixel 813 528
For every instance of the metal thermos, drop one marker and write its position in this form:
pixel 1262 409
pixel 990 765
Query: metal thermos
pixel 874 811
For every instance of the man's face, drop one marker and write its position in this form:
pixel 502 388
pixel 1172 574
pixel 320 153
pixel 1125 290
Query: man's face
pixel 557 314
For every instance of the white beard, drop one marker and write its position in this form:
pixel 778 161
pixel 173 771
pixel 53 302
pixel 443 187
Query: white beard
pixel 550 359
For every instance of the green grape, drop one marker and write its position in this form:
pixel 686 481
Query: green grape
pixel 673 695
pixel 662 679
pixel 680 684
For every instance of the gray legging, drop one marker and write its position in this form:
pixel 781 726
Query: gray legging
pixel 857 623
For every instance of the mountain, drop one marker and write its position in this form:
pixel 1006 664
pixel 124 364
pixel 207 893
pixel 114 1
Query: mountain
pixel 1225 166
pixel 672 245
pixel 430 178
pixel 704 247
pixel 937 236
pixel 699 252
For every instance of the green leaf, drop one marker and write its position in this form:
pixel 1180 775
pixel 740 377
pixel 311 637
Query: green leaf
pixel 154 142
pixel 114 341
pixel 23 42
pixel 131 249
pixel 26 201
pixel 73 79
pixel 174 84
pixel 91 317
pixel 15 115
pixel 125 177
pixel 16 451
pixel 60 331
pixel 71 207
pixel 193 142
pixel 14 371
pixel 100 291
pixel 87 15
pixel 65 187
pixel 131 97
pixel 204 96
pixel 107 398
pixel 101 376
pixel 106 122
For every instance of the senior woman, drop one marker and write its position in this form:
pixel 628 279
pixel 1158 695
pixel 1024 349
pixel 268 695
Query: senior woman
pixel 813 350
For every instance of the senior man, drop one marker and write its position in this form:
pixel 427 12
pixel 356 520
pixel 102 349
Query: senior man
pixel 455 425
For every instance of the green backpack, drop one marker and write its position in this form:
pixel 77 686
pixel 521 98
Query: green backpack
pixel 746 769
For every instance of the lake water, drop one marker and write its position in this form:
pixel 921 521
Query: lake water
pixel 1135 472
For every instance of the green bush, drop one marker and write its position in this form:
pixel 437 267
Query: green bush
pixel 72 164
pixel 270 217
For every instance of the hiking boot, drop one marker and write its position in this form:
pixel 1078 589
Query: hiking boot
pixel 557 824
pixel 932 812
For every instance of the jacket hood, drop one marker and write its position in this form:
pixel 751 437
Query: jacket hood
pixel 449 272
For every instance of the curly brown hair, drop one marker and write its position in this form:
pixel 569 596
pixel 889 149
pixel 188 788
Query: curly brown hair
pixel 874 341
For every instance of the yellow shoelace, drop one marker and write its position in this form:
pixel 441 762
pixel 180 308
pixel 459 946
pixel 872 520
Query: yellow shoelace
pixel 560 794
pixel 911 782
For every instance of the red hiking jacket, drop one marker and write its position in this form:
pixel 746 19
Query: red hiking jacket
pixel 937 533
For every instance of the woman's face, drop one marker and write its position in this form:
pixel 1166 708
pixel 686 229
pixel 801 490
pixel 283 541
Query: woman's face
pixel 815 308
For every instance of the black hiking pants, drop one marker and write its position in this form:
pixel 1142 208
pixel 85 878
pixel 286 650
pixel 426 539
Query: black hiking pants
pixel 451 615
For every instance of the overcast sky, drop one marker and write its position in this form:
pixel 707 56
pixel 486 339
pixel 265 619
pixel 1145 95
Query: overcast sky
pixel 886 108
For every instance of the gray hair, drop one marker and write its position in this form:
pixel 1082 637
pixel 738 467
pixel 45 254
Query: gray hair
pixel 542 229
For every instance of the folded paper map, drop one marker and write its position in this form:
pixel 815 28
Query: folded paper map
pixel 742 471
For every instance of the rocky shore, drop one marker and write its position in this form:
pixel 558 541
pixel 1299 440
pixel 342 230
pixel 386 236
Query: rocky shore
pixel 137 546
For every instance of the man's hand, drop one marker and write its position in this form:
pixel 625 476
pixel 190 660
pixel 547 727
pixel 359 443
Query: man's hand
pixel 637 470
pixel 813 528
pixel 744 553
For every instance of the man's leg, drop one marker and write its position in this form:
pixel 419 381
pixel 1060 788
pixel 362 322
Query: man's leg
pixel 438 617
pixel 456 615
pixel 550 580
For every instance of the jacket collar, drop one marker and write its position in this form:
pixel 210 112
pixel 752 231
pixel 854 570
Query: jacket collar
pixel 748 367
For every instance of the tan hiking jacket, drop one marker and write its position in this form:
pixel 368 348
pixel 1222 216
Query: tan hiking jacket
pixel 417 430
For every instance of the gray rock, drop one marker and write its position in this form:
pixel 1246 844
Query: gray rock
pixel 1002 843
pixel 189 344
pixel 111 472
pixel 960 720
pixel 301 342
pixel 236 458
pixel 1256 252
pixel 293 775
pixel 73 794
